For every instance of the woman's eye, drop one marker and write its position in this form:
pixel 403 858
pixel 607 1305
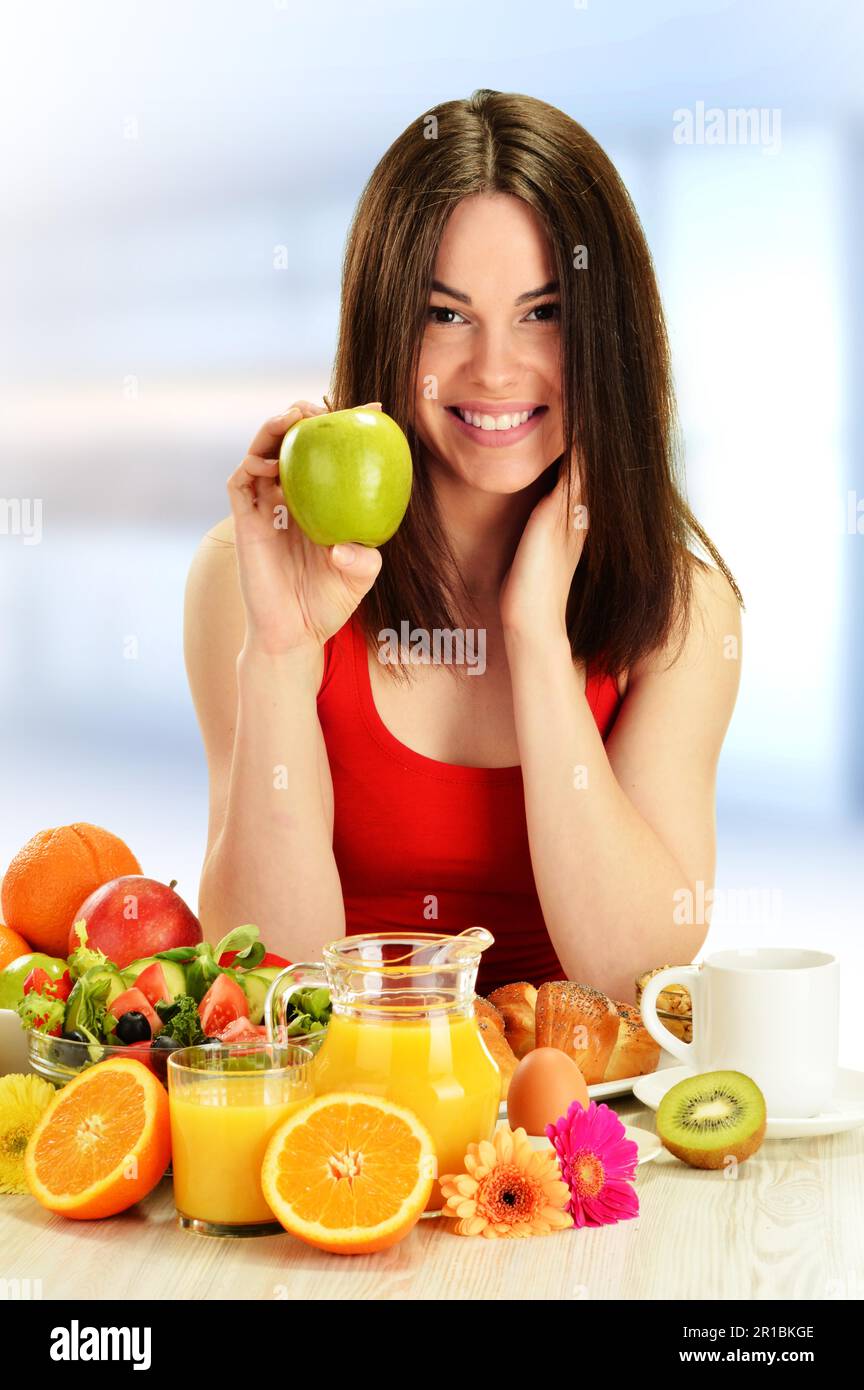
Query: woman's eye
pixel 550 313
pixel 545 313
pixel 439 309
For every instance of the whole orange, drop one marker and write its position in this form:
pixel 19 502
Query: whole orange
pixel 12 945
pixel 49 879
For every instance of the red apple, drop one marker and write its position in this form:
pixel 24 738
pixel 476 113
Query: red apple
pixel 132 917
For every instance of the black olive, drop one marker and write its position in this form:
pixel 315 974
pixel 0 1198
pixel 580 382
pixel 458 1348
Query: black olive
pixel 133 1027
pixel 74 1036
pixel 165 1040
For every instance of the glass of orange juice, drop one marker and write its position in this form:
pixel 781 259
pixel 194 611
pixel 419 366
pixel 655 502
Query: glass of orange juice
pixel 403 1026
pixel 225 1102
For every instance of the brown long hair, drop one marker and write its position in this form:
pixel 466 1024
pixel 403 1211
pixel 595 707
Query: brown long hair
pixel 635 572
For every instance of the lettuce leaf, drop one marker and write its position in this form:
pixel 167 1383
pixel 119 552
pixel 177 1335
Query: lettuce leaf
pixel 182 1020
pixel 41 1014
pixel 81 959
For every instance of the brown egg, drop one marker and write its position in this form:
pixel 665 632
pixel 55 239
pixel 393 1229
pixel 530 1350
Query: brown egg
pixel 542 1088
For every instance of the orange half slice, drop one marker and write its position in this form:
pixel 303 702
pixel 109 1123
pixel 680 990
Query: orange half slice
pixel 103 1143
pixel 349 1173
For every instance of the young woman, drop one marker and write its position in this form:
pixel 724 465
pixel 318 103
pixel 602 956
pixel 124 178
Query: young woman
pixel 499 301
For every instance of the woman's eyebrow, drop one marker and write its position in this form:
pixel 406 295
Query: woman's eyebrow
pixel 551 288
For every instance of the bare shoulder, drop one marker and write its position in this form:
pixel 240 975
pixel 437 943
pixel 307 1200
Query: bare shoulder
pixel 214 557
pixel 714 601
pixel 714 618
pixel 680 701
pixel 214 626
pixel 222 532
pixel 691 682
pixel 665 745
pixel 214 616
pixel 213 571
pixel 706 637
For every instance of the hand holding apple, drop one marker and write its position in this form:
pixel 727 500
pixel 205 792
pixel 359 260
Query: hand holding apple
pixel 296 594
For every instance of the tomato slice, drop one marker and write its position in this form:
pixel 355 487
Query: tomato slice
pixel 36 981
pixel 153 985
pixel 224 1002
pixel 241 1030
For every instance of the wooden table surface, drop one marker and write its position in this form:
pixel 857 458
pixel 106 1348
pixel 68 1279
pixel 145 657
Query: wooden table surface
pixel 790 1226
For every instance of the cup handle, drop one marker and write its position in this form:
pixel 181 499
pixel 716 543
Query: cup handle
pixel 297 976
pixel 675 975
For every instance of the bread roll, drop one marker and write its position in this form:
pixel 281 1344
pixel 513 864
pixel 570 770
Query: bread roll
pixel 516 1004
pixel 673 998
pixel 580 1021
pixel 483 1009
pixel 635 1052
pixel 491 1026
pixel 606 1039
pixel 674 1005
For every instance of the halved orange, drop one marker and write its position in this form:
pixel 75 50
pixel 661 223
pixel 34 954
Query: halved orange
pixel 349 1173
pixel 103 1143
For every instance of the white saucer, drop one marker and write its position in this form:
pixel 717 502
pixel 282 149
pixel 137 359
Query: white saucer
pixel 648 1146
pixel 845 1112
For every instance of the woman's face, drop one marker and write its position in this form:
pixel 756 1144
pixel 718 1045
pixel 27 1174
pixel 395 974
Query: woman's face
pixel 490 354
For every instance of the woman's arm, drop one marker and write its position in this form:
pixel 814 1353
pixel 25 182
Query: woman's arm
pixel 261 602
pixel 269 857
pixel 617 831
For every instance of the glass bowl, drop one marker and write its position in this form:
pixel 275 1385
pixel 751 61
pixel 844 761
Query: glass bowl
pixel 59 1059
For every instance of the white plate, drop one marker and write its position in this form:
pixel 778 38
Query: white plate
pixel 647 1144
pixel 845 1112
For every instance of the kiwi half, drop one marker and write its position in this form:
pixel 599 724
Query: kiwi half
pixel 704 1119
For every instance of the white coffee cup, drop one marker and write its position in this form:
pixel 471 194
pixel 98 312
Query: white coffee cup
pixel 771 1013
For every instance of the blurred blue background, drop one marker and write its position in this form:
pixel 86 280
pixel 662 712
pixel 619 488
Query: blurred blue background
pixel 178 183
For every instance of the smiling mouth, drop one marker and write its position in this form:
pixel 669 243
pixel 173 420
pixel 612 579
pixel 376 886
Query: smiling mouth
pixel 499 424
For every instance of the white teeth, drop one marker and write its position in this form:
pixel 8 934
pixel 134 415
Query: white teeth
pixel 494 422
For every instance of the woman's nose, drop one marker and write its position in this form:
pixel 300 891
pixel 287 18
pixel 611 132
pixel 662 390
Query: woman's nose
pixel 495 360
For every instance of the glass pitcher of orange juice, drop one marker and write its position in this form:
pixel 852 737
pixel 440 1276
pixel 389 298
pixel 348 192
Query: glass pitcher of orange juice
pixel 403 1026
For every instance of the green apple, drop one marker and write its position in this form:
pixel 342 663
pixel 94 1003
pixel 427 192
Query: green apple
pixel 346 476
pixel 13 975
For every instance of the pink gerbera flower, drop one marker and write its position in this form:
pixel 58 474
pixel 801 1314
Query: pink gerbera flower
pixel 597 1163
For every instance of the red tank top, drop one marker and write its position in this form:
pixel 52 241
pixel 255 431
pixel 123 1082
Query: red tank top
pixel 428 845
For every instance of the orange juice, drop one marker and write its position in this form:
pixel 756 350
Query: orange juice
pixel 219 1133
pixel 438 1066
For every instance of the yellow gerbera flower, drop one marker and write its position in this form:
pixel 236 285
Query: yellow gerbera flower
pixel 507 1189
pixel 22 1102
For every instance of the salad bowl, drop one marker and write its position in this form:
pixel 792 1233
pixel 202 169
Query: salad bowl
pixel 58 1060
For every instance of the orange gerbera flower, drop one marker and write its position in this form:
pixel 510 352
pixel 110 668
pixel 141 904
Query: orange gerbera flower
pixel 507 1189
